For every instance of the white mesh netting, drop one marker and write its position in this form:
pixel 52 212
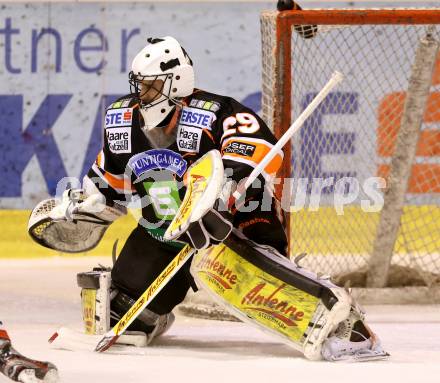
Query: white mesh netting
pixel 353 134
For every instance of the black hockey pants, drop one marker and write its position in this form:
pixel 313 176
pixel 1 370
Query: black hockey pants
pixel 143 258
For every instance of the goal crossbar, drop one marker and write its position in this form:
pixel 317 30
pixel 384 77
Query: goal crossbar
pixel 360 16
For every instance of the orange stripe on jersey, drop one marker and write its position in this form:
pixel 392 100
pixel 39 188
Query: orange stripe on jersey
pixel 174 119
pixel 117 183
pixel 188 154
pixel 98 159
pixel 251 150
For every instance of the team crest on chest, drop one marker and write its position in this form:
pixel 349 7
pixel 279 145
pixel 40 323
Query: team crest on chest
pixel 158 159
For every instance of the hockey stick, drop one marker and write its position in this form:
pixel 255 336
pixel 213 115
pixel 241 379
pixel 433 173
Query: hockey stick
pixel 336 78
pixel 111 336
pixel 145 299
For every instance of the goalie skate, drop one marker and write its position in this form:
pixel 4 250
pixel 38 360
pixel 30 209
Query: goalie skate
pixel 353 341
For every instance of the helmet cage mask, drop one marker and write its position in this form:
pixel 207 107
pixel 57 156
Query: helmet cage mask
pixel 136 82
pixel 165 60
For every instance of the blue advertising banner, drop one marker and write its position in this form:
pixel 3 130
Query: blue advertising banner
pixel 61 64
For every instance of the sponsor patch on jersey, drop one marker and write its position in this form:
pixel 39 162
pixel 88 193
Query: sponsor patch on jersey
pixel 196 117
pixel 120 103
pixel 200 104
pixel 158 159
pixel 116 105
pixel 213 106
pixel 246 150
pixel 118 117
pixel 188 138
pixel 119 139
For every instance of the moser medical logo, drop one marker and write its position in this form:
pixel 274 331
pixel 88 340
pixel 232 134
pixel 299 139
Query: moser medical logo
pixel 119 139
pixel 266 301
pixel 245 150
pixel 118 117
pixel 158 159
pixel 216 270
pixel 197 117
pixel 188 138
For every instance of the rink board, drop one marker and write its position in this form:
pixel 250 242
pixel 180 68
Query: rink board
pixel 322 232
pixel 325 232
pixel 16 243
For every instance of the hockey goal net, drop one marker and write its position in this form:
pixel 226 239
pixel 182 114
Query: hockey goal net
pixel 382 121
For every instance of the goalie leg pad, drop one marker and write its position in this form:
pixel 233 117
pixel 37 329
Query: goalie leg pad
pixel 95 300
pixel 102 307
pixel 263 288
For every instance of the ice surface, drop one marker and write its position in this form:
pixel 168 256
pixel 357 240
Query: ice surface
pixel 39 296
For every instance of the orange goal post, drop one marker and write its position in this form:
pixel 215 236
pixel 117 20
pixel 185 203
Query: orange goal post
pixel 362 176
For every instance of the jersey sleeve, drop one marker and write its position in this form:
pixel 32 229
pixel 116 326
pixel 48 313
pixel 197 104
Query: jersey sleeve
pixel 115 186
pixel 245 140
pixel 108 172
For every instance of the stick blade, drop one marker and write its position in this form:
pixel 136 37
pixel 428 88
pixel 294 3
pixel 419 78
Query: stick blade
pixel 67 339
pixel 108 340
pixel 74 340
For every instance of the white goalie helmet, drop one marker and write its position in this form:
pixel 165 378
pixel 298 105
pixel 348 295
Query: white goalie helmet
pixel 165 60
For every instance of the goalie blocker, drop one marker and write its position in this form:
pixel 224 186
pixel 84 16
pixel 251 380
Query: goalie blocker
pixel 261 287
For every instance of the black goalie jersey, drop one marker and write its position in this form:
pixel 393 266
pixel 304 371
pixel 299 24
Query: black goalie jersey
pixel 130 165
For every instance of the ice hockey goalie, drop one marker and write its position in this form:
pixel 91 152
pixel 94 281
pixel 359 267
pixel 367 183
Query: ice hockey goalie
pixel 153 136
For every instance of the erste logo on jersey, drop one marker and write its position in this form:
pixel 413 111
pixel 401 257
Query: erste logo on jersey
pixel 191 125
pixel 197 117
pixel 118 117
pixel 158 159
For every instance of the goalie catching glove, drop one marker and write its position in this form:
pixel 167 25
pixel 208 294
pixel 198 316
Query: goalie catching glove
pixel 75 224
pixel 203 218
